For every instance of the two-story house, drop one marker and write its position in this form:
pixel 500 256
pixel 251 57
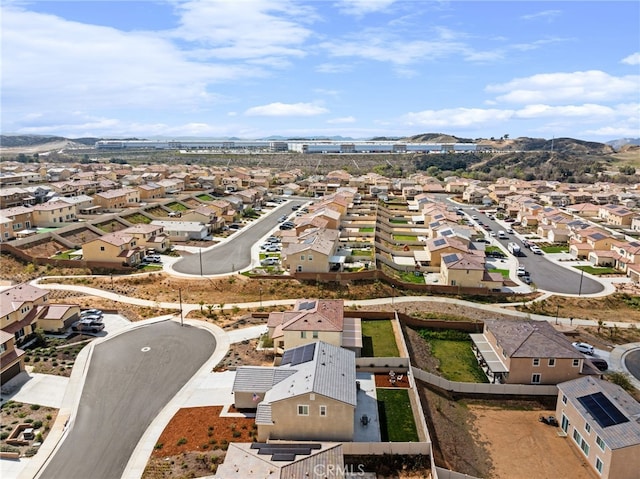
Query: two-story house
pixel 602 420
pixel 315 320
pixel 527 352
pixel 116 247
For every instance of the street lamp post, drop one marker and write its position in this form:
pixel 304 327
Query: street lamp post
pixel 200 261
pixel 180 299
pixel 393 295
pixel 580 287
pixel 557 311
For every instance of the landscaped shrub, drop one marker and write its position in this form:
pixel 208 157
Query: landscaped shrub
pixel 4 435
pixel 34 407
pixel 181 441
pixel 444 334
pixel 37 424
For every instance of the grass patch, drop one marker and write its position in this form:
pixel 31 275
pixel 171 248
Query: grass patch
pixel 492 249
pixel 378 339
pixel 396 416
pixel 205 197
pixel 64 255
pixel 411 277
pixel 555 249
pixel 361 252
pixel 453 350
pixel 366 230
pixel 405 237
pixel 138 219
pixel 150 268
pixel 503 272
pixel 398 221
pixel 177 207
pixel 598 270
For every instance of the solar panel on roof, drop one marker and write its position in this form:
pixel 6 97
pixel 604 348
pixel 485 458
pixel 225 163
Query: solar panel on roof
pixel 439 242
pixel 283 457
pixel 602 410
pixel 307 305
pixel 286 357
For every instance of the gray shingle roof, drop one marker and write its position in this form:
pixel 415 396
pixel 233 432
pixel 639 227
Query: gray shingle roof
pixel 616 436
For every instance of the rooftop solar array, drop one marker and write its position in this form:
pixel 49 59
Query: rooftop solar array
pixel 449 258
pixel 285 452
pixel 439 242
pixel 307 305
pixel 603 411
pixel 299 355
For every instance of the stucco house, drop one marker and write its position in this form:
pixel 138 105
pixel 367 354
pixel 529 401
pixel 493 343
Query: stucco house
pixel 527 352
pixel 602 421
pixel 315 320
pixel 57 318
pixel 311 396
pixel 468 270
pixel 116 247
pixel 11 357
pixel 313 253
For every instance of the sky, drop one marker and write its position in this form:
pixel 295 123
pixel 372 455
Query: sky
pixel 353 68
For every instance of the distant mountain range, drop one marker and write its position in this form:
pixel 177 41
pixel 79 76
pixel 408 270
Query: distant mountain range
pixel 521 144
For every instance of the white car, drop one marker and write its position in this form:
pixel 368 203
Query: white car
pixel 269 262
pixel 536 249
pixel 521 271
pixel 584 348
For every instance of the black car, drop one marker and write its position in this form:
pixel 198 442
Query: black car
pixel 599 363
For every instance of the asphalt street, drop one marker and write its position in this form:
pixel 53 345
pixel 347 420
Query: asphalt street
pixel 130 379
pixel 632 362
pixel 234 255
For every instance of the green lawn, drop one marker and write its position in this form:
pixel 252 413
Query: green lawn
pixel 405 237
pixel 457 362
pixel 361 252
pixel 205 197
pixel 398 221
pixel 396 416
pixel 503 272
pixel 367 230
pixel 177 207
pixel 378 339
pixel 138 219
pixel 597 270
pixel 411 277
pixel 64 255
pixel 492 249
pixel 555 249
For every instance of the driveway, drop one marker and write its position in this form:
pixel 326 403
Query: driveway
pixel 234 254
pixel 131 377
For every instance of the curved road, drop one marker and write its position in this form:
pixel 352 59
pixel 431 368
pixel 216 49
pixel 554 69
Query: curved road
pixel 547 275
pixel 234 255
pixel 126 387
pixel 632 362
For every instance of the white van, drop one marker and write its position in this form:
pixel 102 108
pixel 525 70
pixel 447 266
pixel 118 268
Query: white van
pixel 502 234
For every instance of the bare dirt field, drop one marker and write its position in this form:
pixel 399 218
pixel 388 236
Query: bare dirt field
pixel 518 444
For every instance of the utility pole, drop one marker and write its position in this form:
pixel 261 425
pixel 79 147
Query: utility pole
pixel 580 287
pixel 180 299
pixel 557 311
pixel 200 261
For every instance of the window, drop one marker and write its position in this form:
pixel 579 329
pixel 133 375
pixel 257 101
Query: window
pixel 564 399
pixel 600 442
pixel 301 257
pixel 585 447
pixel 599 465
pixel 101 248
pixel 3 348
pixel 576 363
pixel 303 334
pixel 315 335
pixel 565 423
pixel 310 258
pixel 576 436
pixel 536 361
pixel 587 427
pixel 552 362
pixel 303 410
pixel 323 411
pixel 535 379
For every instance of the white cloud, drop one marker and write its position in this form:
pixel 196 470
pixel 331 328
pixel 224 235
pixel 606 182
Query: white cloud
pixel 548 15
pixel 359 8
pixel 334 68
pixel 286 109
pixel 565 111
pixel 456 117
pixel 344 119
pixel 590 86
pixel 633 59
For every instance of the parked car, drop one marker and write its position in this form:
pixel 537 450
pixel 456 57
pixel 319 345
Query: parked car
pixel 282 219
pixel 521 270
pixel 510 231
pixel 86 324
pixel 584 348
pixel 91 312
pixel 269 262
pixel 153 258
pixel 527 278
pixel 535 249
pixel 273 239
pixel 272 248
pixel 599 363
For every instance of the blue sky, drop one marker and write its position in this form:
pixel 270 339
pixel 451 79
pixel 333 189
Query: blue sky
pixel 356 68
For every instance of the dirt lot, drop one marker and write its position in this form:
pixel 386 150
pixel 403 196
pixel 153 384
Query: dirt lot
pixel 517 444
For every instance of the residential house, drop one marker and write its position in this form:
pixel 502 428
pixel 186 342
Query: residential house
pixel 468 271
pixel 435 248
pixel 11 357
pixel 283 460
pixel 117 199
pixel 205 214
pixel 6 232
pixel 21 219
pixel 584 210
pixel 603 422
pixel 527 352
pixel 315 320
pixel 616 215
pixel 224 209
pixel 184 230
pixel 57 318
pixel 314 253
pixel 172 186
pixel 10 197
pixel 310 396
pixel 149 237
pixel 18 309
pixel 53 214
pixel 117 247
pixel 150 191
